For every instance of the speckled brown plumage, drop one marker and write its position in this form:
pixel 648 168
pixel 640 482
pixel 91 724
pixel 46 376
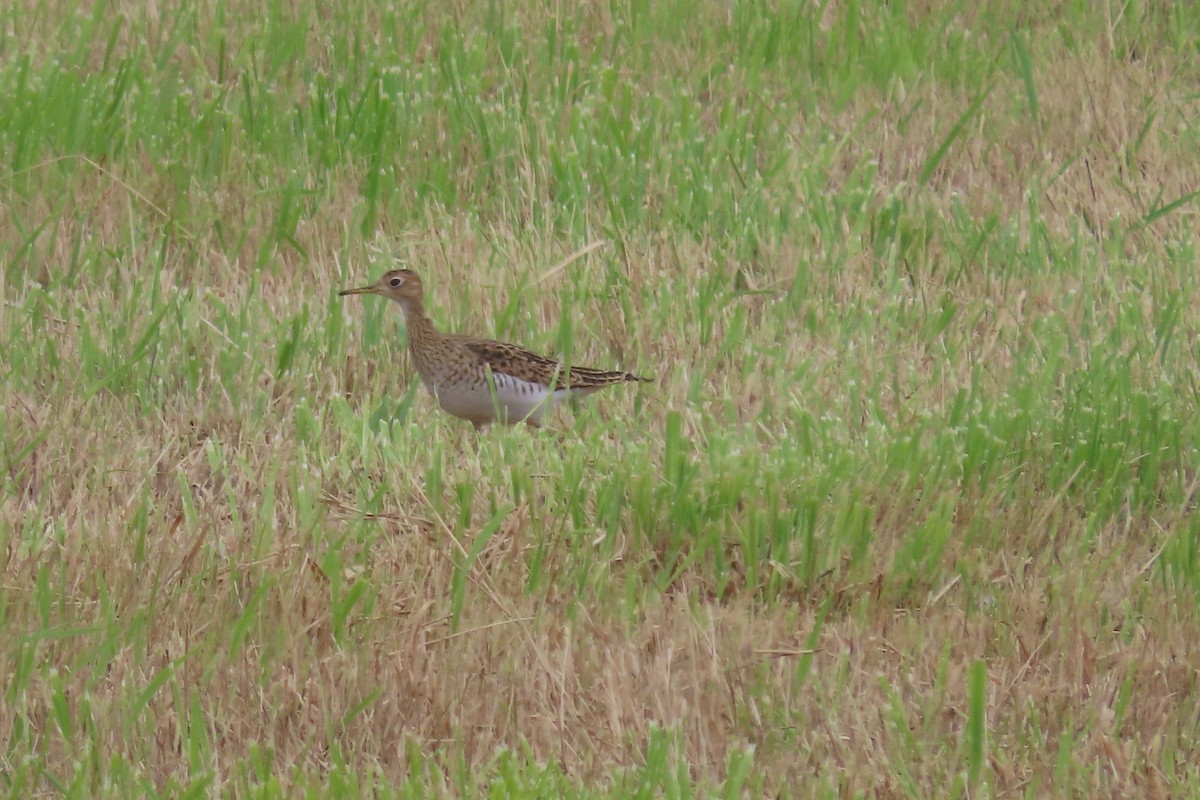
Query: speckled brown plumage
pixel 483 380
pixel 527 365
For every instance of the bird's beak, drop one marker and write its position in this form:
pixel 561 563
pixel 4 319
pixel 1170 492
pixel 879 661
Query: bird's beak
pixel 359 290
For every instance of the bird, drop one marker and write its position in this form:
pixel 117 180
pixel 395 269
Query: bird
pixel 483 380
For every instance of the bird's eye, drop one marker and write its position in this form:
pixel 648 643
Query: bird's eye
pixel 395 282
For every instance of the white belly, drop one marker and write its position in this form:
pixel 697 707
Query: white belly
pixel 514 401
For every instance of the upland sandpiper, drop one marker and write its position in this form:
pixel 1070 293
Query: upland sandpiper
pixel 482 380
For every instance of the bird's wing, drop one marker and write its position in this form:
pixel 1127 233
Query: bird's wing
pixel 529 366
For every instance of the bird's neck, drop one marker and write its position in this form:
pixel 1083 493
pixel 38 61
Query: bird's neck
pixel 422 342
pixel 420 327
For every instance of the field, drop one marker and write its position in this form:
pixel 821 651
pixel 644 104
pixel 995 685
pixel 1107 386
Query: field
pixel 908 510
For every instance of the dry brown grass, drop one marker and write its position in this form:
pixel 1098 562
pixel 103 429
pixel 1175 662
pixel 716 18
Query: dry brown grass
pixel 175 550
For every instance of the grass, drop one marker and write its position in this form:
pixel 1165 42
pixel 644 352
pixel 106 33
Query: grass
pixel 908 511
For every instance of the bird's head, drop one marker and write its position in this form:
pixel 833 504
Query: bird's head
pixel 401 285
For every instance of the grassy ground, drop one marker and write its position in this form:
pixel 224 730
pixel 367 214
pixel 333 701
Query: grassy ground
pixel 908 512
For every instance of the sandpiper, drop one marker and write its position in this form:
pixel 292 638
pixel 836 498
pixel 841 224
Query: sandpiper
pixel 483 380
